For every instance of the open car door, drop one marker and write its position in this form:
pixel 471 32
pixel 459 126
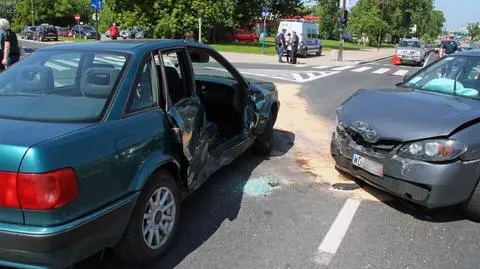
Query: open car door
pixel 185 113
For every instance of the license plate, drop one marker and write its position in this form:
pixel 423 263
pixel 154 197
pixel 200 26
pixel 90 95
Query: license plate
pixel 368 165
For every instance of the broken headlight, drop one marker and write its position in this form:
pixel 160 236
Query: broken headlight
pixel 435 150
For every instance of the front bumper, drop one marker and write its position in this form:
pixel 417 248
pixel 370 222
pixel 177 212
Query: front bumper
pixel 427 184
pixel 58 247
pixel 410 58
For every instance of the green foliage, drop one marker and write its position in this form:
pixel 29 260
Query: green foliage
pixel 328 11
pixel 474 31
pixel 58 12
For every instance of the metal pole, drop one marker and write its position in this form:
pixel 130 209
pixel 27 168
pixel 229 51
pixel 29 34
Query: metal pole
pixel 33 20
pixel 381 22
pixel 199 29
pixel 96 19
pixel 264 33
pixel 340 51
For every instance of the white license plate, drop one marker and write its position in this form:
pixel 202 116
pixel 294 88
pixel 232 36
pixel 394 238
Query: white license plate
pixel 368 165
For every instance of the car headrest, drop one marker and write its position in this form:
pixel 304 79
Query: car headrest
pixel 98 81
pixel 34 78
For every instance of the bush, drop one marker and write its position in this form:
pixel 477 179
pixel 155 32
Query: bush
pixel 17 28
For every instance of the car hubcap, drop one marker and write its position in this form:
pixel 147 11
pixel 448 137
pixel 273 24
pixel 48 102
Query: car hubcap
pixel 159 218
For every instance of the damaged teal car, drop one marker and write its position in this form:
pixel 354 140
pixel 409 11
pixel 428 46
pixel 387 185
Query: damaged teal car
pixel 101 141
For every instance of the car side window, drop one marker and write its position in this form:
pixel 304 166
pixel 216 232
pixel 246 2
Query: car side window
pixel 174 67
pixel 142 95
pixel 204 64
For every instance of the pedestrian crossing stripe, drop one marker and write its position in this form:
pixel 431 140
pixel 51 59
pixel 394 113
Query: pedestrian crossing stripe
pixel 341 68
pixel 381 71
pixel 361 69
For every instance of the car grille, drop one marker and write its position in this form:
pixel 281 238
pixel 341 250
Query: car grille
pixel 382 147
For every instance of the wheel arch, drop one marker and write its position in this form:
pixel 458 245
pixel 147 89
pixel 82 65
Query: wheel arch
pixel 153 165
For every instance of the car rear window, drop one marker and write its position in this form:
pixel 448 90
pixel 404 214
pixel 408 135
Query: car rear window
pixel 414 44
pixel 60 86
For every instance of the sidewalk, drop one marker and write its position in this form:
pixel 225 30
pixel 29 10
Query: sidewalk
pixel 350 57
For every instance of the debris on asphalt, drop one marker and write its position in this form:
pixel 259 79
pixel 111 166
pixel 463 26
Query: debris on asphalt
pixel 261 186
pixel 345 186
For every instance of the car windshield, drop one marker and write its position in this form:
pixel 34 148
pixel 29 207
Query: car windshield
pixel 60 86
pixel 88 28
pixel 453 75
pixel 32 28
pixel 414 44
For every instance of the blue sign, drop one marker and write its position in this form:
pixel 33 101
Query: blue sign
pixel 96 4
pixel 265 11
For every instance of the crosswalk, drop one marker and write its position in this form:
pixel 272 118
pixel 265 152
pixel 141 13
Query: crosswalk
pixel 372 69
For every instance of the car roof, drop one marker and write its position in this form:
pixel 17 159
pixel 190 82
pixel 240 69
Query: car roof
pixel 131 46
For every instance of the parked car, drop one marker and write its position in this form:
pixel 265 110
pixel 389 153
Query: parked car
pixel 85 32
pixel 127 34
pixel 62 31
pixel 28 32
pixel 110 152
pixel 420 139
pixel 411 51
pixel 242 35
pixel 45 32
pixel 142 33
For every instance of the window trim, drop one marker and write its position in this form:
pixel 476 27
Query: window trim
pixel 147 60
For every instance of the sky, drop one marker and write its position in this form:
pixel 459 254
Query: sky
pixel 458 13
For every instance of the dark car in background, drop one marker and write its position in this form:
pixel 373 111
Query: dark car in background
pixel 85 32
pixel 62 31
pixel 419 140
pixel 28 32
pixel 45 32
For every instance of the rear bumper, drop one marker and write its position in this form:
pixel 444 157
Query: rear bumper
pixel 410 59
pixel 59 247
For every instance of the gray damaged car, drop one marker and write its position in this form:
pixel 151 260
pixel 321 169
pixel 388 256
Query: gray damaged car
pixel 419 140
pixel 411 51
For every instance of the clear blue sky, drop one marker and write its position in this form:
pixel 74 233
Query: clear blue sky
pixel 457 12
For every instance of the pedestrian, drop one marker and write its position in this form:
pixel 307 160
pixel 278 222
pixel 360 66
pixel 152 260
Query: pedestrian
pixel 295 43
pixel 9 45
pixel 288 43
pixel 280 44
pixel 113 31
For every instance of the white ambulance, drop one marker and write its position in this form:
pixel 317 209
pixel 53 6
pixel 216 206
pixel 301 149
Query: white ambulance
pixel 310 41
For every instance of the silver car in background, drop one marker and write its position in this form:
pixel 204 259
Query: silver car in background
pixel 411 51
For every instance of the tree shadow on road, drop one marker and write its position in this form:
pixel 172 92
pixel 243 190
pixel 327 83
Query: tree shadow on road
pixel 218 200
pixel 438 215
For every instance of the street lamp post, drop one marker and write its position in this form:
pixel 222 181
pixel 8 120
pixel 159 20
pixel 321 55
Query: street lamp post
pixel 33 20
pixel 380 31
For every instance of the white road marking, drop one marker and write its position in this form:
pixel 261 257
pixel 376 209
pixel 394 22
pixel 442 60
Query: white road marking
pixel 381 71
pixel 341 68
pixel 400 72
pixel 361 69
pixel 297 76
pixel 311 75
pixel 322 67
pixel 329 246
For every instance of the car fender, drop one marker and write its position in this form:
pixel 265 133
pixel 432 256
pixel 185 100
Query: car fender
pixel 150 165
pixel 470 135
pixel 264 107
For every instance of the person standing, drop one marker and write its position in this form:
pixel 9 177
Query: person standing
pixel 9 44
pixel 114 31
pixel 295 42
pixel 280 43
pixel 288 43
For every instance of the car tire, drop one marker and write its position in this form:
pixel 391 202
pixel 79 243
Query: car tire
pixel 264 143
pixel 319 52
pixel 133 247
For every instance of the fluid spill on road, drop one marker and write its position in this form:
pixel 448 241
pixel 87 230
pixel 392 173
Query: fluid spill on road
pixel 312 143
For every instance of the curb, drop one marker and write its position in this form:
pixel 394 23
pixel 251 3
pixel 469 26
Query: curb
pixel 375 60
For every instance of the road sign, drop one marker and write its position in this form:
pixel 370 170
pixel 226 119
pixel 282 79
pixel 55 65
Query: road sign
pixel 77 17
pixel 265 11
pixel 96 4
pixel 95 16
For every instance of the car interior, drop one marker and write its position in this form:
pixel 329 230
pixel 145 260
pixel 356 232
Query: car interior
pixel 222 98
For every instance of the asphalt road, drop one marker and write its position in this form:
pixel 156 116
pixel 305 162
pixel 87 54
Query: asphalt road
pixel 268 213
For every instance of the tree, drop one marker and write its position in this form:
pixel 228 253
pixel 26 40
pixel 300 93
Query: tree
pixel 474 30
pixel 59 12
pixel 365 18
pixel 328 11
pixel 434 26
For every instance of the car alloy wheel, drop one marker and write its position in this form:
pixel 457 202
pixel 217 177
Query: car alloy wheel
pixel 153 224
pixel 159 218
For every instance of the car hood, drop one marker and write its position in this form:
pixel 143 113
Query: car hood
pixel 402 114
pixel 17 136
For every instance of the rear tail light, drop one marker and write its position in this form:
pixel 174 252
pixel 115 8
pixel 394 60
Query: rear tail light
pixel 38 191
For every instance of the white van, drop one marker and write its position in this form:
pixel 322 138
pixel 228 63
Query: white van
pixel 307 31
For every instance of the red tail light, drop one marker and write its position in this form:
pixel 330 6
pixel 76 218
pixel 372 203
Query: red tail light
pixel 38 191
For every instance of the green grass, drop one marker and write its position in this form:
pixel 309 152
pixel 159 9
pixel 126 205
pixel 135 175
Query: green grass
pixel 256 47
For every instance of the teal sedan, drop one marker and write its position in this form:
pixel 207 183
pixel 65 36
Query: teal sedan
pixel 101 141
